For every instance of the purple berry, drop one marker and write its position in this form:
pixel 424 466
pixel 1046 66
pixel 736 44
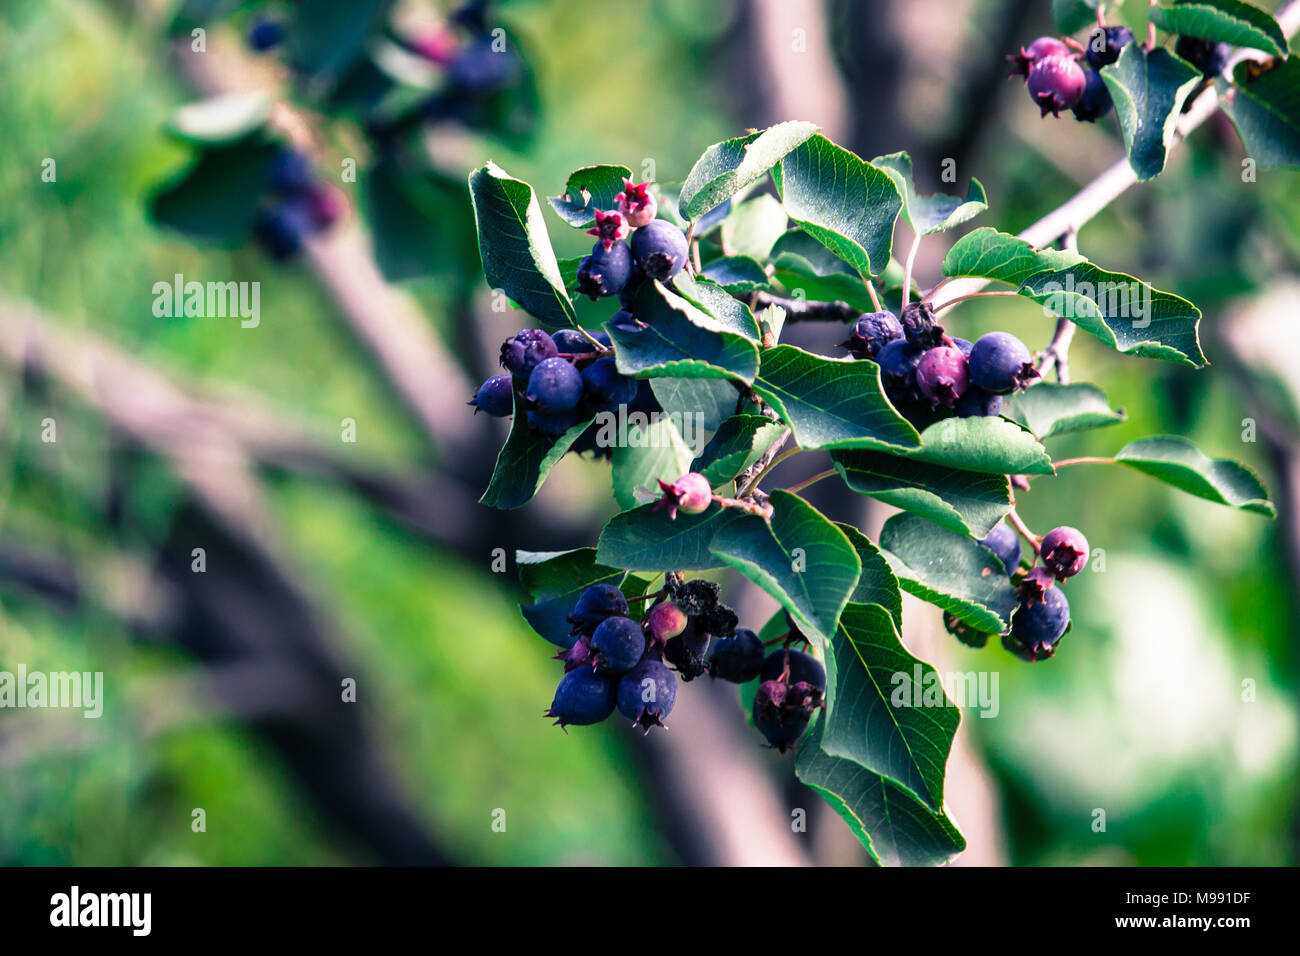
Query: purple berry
pixel 618 643
pixel 803 668
pixel 781 726
pixel 554 386
pixel 1005 543
pixel 999 363
pixel 1210 58
pixel 290 173
pixel 605 271
pixel 942 375
pixel 898 361
pixel 604 386
pixel 664 622
pixel 572 342
pixel 284 227
pixel 659 250
pixel 496 396
pixel 1104 46
pixel 1095 102
pixel 871 333
pixel 1064 551
pixel 265 34
pixel 1040 49
pixel 1038 625
pixel 595 604
pixel 522 353
pixel 1056 83
pixel 738 658
pixel 583 697
pixel 646 693
pixel 480 69
pixel 977 403
pixel 553 424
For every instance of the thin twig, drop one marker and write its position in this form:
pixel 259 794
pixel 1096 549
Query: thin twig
pixel 798 310
pixel 972 295
pixel 1025 533
pixel 907 272
pixel 800 486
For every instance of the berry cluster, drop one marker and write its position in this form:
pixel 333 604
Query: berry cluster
pixel 1057 81
pixel 657 249
pixel 633 665
pixel 929 375
pixel 297 206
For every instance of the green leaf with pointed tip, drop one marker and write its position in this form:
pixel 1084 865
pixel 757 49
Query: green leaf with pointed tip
pixel 1223 21
pixel 739 274
pixel 644 455
pixel 1123 312
pixel 514 245
pixel 729 166
pixel 896 828
pixel 986 253
pixel 799 557
pixel 842 201
pixel 1071 16
pixel 1048 409
pixel 739 443
pixel 589 189
pixel 676 339
pixel 754 226
pixel 525 460
pixel 1149 89
pixel 1265 108
pixel 831 403
pixel 877 584
pixel 554 580
pixel 982 444
pixel 928 215
pixel 706 401
pixel 950 571
pixel 1178 462
pixel 879 715
pixel 965 501
pixel 732 314
pixel 647 540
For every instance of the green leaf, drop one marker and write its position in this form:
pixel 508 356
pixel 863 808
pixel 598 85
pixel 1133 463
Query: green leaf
pixel 888 711
pixel 754 226
pixel 646 454
pixel 525 460
pixel 419 222
pixel 221 120
pixel 950 571
pixel 1123 312
pixel 676 339
pixel 988 254
pixel 217 198
pixel 589 189
pixel 965 501
pixel 1178 462
pixel 1071 16
pixel 732 314
pixel 327 36
pixel 842 201
pixel 802 264
pixel 928 215
pixel 800 558
pixel 707 402
pixel 896 828
pixel 1048 409
pixel 1223 21
pixel 647 540
pixel 514 245
pixel 982 444
pixel 831 403
pixel 730 166
pixel 877 584
pixel 739 443
pixel 739 274
pixel 554 580
pixel 1149 89
pixel 1265 108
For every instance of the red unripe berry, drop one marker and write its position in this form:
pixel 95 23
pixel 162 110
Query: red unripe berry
pixel 636 204
pixel 1056 83
pixel 610 228
pixel 690 493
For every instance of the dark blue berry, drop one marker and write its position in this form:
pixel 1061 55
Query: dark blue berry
pixel 583 697
pixel 553 424
pixel 480 69
pixel 871 333
pixel 1005 543
pixel 977 403
pixel 604 386
pixel 595 604
pixel 1095 102
pixel 1104 46
pixel 496 396
pixel 265 34
pixel 605 271
pixel 738 658
pixel 1036 626
pixel 646 693
pixel 776 720
pixel 522 353
pixel 619 643
pixel 283 228
pixel 1210 58
pixel 554 386
pixel 659 250
pixel 999 363
pixel 572 342
pixel 290 173
pixel 804 668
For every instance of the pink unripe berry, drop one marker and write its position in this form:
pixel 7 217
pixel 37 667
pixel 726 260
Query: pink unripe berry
pixel 690 493
pixel 665 621
pixel 611 227
pixel 636 204
pixel 1040 49
pixel 943 375
pixel 1056 83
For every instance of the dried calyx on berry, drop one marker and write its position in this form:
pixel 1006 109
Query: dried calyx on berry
pixel 1000 363
pixel 636 204
pixel 919 326
pixel 1037 626
pixel 942 375
pixel 871 333
pixel 689 494
pixel 659 250
pixel 793 687
pixel 701 601
pixel 1064 552
pixel 610 228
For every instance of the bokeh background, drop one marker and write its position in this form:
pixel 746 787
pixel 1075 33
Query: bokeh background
pixel 371 559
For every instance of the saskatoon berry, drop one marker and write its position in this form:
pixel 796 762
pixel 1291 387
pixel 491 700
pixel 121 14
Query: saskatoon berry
pixel 495 396
pixel 1056 84
pixel 283 228
pixel 596 603
pixel 804 668
pixel 871 333
pixel 554 386
pixel 1210 58
pixel 1035 584
pixel 583 697
pixel 605 386
pixel 1064 551
pixel 522 353
pixel 898 361
pixel 553 424
pixel 664 622
pixel 265 34
pixel 618 643
pixel 977 403
pixel 999 363
pixel 689 494
pixel 628 294
pixel 942 375
pixel 1104 46
pixel 636 204
pixel 577 655
pixel 1095 102
pixel 610 228
pixel 738 658
pixel 480 69
pixel 326 205
pixel 919 326
pixel 964 345
pixel 688 652
pixel 605 271
pixel 572 342
pixel 646 693
pixel 781 726
pixel 659 250
pixel 1005 543
pixel 1040 49
pixel 290 173
pixel 1038 625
